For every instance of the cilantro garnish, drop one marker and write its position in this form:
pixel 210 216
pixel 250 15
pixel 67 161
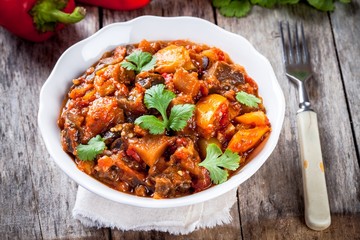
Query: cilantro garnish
pixel 88 152
pixel 247 99
pixel 159 98
pixel 216 161
pixel 139 61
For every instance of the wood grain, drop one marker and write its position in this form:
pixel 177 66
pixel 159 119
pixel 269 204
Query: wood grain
pixel 276 190
pixel 36 198
pixel 345 21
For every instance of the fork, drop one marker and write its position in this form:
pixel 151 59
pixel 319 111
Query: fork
pixel 298 70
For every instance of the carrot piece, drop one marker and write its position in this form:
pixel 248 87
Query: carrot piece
pixel 245 139
pixel 104 163
pixel 257 118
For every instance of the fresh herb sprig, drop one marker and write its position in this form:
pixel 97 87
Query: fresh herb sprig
pixel 88 152
pixel 139 61
pixel 159 98
pixel 247 99
pixel 216 162
pixel 240 8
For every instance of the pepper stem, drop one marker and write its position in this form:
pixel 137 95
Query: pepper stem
pixel 47 13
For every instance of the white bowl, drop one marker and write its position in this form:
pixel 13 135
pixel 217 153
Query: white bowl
pixel 75 60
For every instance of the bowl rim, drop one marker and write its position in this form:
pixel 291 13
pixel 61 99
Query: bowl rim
pixel 83 179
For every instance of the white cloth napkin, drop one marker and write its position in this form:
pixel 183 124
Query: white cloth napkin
pixel 95 211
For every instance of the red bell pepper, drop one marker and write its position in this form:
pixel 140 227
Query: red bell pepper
pixel 117 4
pixel 38 20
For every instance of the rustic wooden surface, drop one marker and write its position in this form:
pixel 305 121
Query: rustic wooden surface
pixel 36 198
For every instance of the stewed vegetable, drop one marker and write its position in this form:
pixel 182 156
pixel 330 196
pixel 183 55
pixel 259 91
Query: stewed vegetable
pixel 163 119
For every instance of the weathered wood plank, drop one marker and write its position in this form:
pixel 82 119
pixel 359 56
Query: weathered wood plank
pixel 342 227
pixel 275 192
pixel 36 197
pixel 345 22
pixel 18 193
pixel 56 203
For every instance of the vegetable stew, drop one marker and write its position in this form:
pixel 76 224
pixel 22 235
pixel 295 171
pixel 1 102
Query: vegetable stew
pixel 163 119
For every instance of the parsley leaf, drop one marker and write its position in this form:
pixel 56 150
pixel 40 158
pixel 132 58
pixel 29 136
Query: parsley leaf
pixel 155 125
pixel 159 98
pixel 86 152
pixel 139 61
pixel 216 161
pixel 179 115
pixel 247 99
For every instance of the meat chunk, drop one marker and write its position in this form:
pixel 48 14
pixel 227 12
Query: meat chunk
pixel 69 139
pixel 226 72
pixel 134 104
pixel 103 113
pixel 147 79
pixel 188 159
pixel 118 169
pixel 172 182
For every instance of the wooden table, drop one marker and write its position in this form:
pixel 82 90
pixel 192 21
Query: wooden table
pixel 36 197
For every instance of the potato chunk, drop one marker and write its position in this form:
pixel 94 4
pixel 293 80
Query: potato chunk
pixel 150 148
pixel 172 57
pixel 186 82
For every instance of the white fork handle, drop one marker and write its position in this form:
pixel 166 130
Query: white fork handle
pixel 317 211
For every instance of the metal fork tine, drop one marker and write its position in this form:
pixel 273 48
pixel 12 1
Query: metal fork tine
pixel 285 57
pixel 297 45
pixel 305 49
pixel 291 52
